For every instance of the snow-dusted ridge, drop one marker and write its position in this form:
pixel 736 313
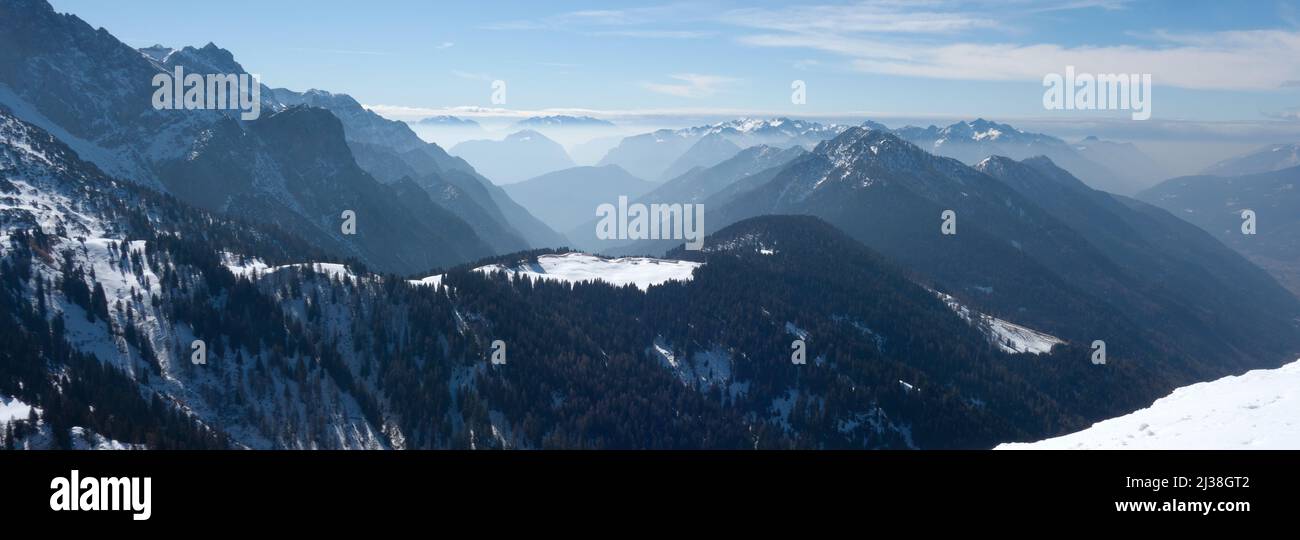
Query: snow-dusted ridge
pixel 252 267
pixel 45 188
pixel 1259 410
pixel 643 272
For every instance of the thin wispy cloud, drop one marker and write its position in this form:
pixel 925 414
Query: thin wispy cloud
pixel 341 51
pixel 445 45
pixel 690 85
pixel 471 75
pixel 1288 13
pixel 515 25
pixel 1110 5
pixel 655 34
pixel 888 38
pixel 1292 113
pixel 637 16
pixel 670 21
pixel 876 17
pixel 806 64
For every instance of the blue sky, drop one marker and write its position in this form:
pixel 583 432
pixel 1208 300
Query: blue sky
pixel 1231 63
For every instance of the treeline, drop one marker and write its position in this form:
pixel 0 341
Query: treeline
pixel 71 388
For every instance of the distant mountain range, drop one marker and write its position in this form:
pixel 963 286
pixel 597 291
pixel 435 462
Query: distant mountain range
pixel 124 357
pixel 1268 159
pixel 450 121
pixel 519 156
pixel 1113 167
pixel 252 169
pixel 856 289
pixel 653 155
pixel 713 187
pixel 562 121
pixel 1216 203
pixel 447 130
pixel 568 197
pixel 1041 244
pixel 710 150
pixel 1135 167
pixel 1038 247
pixel 1126 168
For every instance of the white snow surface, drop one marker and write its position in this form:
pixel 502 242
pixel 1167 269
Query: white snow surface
pixel 248 267
pixel 702 370
pixel 12 408
pixel 87 439
pixel 643 272
pixel 1259 410
pixel 1008 336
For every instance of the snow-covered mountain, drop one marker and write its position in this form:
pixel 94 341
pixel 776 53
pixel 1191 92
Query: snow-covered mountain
pixel 446 130
pixel 1026 226
pixel 1257 410
pixel 776 131
pixel 108 266
pixel 157 52
pixel 292 167
pixel 448 120
pixel 107 285
pixel 175 280
pixel 976 131
pixel 1033 226
pixel 972 141
pixel 650 155
pixel 1273 157
pixel 1114 167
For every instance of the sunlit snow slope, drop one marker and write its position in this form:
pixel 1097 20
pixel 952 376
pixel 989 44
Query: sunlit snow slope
pixel 1255 411
pixel 1006 335
pixel 575 267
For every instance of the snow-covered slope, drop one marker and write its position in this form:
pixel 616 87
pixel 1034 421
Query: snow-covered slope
pixel 290 167
pixel 253 268
pixel 1255 411
pixel 87 229
pixel 1008 336
pixel 12 408
pixel 577 267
